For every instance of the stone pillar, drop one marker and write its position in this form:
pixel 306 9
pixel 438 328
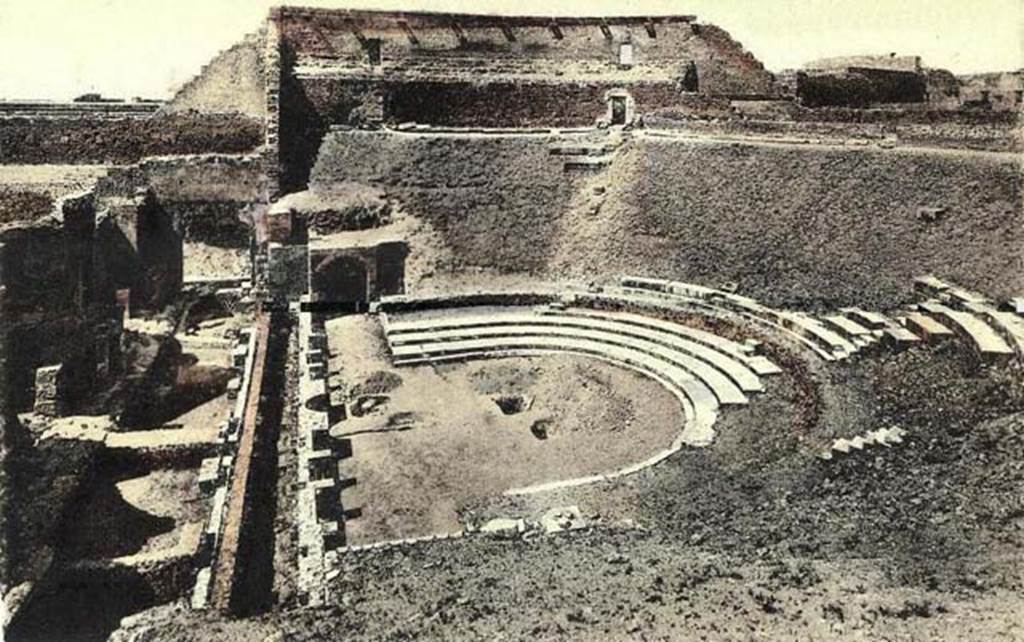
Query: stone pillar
pixel 49 396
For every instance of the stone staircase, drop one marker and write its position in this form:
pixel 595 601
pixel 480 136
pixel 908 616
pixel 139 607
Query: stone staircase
pixel 590 154
pixel 883 437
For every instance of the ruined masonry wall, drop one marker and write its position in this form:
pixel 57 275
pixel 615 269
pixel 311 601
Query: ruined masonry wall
pixel 209 197
pixel 479 49
pixel 102 140
pixel 231 83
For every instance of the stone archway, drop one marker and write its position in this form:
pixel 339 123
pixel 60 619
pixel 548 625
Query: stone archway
pixel 342 279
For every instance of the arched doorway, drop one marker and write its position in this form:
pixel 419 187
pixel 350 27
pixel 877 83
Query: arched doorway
pixel 620 108
pixel 341 280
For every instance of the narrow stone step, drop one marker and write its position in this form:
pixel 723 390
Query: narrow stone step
pixel 847 326
pixel 898 337
pixel 841 445
pixel 985 339
pixel 871 320
pixel 926 327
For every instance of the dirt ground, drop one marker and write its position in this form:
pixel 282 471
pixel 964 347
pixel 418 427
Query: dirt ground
pixel 565 417
pixel 145 514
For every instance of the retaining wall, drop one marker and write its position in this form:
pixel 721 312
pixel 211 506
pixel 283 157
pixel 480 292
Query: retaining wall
pixel 223 469
pixel 795 225
pixel 126 140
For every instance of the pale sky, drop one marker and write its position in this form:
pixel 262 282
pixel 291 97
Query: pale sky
pixel 58 49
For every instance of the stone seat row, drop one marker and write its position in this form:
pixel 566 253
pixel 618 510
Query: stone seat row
pixel 732 376
pixel 647 357
pixel 804 329
pixel 742 352
pixel 701 377
pixel 938 321
pixel 995 332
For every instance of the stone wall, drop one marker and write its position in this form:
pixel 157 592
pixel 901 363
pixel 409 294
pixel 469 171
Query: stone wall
pixel 891 62
pixel 794 225
pixel 1000 92
pixel 40 481
pixel 57 305
pixel 101 140
pixel 208 198
pixel 22 205
pixel 504 104
pixel 452 46
pixel 861 87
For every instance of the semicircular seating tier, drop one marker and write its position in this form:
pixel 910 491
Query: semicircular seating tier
pixel 702 370
pixel 818 337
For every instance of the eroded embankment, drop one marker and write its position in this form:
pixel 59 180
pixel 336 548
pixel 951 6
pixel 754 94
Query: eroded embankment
pixel 804 225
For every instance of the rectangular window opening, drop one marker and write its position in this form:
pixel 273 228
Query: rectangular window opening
pixel 626 55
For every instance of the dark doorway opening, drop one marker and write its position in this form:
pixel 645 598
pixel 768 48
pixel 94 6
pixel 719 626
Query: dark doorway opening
pixel 372 46
pixel 342 280
pixel 618 110
pixel 690 80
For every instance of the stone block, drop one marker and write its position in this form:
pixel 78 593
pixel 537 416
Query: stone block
pixel 49 391
pixel 561 519
pixel 209 474
pixel 233 387
pixel 504 528
pixel 315 356
pixel 239 355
